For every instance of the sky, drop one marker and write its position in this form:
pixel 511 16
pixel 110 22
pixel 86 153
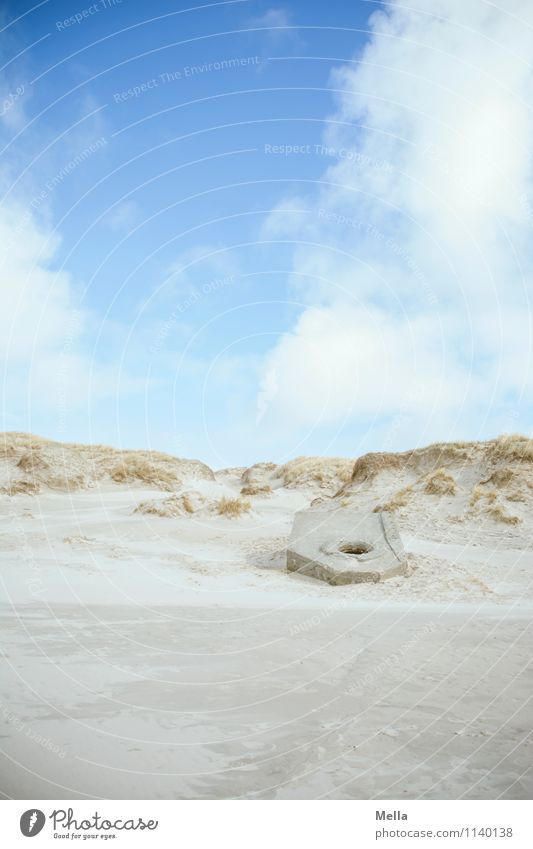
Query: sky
pixel 241 231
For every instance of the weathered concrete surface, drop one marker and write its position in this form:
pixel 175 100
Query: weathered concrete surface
pixel 341 546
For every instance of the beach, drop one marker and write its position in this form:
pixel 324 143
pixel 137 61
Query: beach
pixel 153 657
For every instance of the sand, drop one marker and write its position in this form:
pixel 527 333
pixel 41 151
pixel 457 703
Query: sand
pixel 175 657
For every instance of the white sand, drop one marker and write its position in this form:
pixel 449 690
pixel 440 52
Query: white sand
pixel 176 658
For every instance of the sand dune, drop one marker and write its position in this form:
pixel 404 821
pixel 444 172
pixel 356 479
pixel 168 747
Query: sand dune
pixel 155 644
pixel 32 464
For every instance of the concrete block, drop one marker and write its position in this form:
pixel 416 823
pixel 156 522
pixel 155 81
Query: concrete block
pixel 342 546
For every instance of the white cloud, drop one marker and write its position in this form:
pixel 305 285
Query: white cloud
pixel 279 32
pixel 45 336
pixel 37 303
pixel 123 217
pixel 341 361
pixel 418 263
pixel 273 18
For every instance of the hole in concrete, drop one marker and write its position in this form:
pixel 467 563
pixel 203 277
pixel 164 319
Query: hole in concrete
pixel 355 548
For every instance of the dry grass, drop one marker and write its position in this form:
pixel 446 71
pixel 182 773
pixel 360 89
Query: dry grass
pixel 175 505
pixel 32 460
pixel 134 469
pixel 233 507
pixel 477 494
pixel 256 489
pixel 60 475
pixel 517 496
pixel 21 487
pixel 440 482
pixel 421 460
pixel 68 466
pixel 152 467
pixel 66 482
pixel 187 504
pixel 512 447
pixel 16 439
pixel 489 506
pixel 500 514
pixel 369 465
pixel 500 478
pixel 11 444
pixel 255 474
pixel 399 499
pixel 231 471
pixel 166 508
pixel 330 472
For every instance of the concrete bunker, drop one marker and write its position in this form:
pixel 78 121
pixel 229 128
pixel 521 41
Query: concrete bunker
pixel 343 546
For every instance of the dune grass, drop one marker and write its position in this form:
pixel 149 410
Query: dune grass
pixel 326 471
pixel 133 469
pixel 440 482
pixel 500 514
pixel 21 487
pixel 172 506
pixel 512 447
pixel 233 507
pixel 399 499
pixel 256 489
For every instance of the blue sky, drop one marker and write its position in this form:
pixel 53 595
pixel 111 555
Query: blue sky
pixel 246 231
